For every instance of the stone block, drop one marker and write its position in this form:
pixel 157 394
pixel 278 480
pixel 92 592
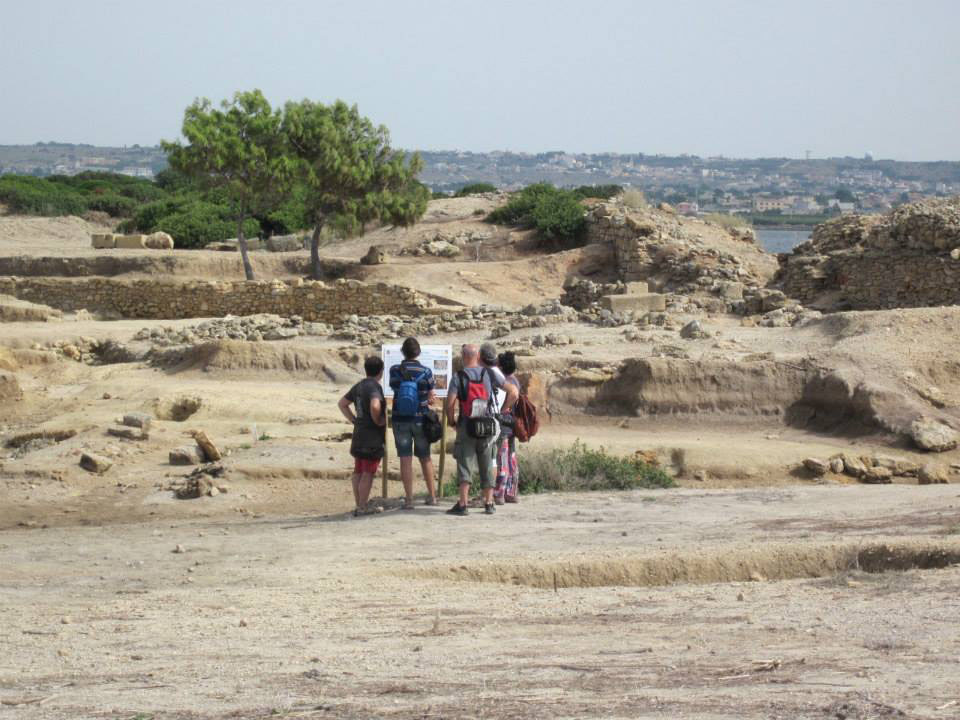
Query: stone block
pixel 130 242
pixel 637 287
pixel 284 243
pixel 647 302
pixel 103 241
pixel 186 455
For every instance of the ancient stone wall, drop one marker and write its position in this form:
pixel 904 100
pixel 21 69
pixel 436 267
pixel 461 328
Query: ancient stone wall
pixel 873 280
pixel 169 299
pixel 909 257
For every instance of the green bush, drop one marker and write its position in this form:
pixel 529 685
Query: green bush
pixel 603 192
pixel 39 196
pixel 476 189
pixel 579 468
pixel 197 223
pixel 557 214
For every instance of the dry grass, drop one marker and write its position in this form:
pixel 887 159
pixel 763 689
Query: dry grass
pixel 727 221
pixel 634 199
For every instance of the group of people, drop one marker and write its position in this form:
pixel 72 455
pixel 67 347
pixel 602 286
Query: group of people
pixel 481 397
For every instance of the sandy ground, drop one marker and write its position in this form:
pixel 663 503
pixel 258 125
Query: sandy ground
pixel 300 615
pixel 740 594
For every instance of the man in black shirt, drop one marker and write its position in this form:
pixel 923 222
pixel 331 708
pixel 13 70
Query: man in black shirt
pixel 363 405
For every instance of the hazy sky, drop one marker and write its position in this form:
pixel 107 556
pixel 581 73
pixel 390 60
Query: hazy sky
pixel 733 77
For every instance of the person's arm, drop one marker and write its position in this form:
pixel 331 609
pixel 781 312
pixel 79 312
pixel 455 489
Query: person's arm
pixel 512 396
pixel 396 377
pixel 376 411
pixel 346 407
pixel 451 404
pixel 430 382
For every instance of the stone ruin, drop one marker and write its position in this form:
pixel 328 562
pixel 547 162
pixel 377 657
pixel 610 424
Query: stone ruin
pixel 909 257
pixel 111 241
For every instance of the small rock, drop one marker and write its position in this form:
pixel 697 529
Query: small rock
pixel 693 330
pixel 700 475
pixel 210 451
pixel 877 475
pixel 137 420
pixel 932 474
pixel 179 550
pixel 816 466
pixel 127 433
pixel 65 620
pixel 836 465
pixel 95 463
pixel 853 466
pixel 955 254
pixel 243 623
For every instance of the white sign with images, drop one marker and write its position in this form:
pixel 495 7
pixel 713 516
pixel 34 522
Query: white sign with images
pixel 439 358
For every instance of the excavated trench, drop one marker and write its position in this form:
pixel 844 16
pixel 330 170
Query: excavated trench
pixel 721 565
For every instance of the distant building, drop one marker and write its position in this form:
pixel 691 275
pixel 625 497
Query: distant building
pixel 767 204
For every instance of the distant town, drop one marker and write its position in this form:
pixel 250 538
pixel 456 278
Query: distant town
pixel 770 191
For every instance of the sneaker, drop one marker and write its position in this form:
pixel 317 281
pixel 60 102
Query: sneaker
pixel 489 509
pixel 457 509
pixel 498 500
pixel 430 501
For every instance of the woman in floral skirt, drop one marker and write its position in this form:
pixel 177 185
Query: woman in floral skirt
pixel 507 476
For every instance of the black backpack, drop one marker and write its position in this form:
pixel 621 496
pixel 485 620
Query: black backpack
pixel 432 427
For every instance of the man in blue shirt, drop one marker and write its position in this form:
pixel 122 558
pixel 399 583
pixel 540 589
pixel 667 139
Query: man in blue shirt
pixel 408 428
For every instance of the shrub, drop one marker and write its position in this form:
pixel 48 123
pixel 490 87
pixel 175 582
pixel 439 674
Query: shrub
pixel 634 199
pixel 579 468
pixel 476 189
pixel 39 196
pixel 557 214
pixel 725 220
pixel 603 192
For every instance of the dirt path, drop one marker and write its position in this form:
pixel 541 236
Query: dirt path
pixel 309 616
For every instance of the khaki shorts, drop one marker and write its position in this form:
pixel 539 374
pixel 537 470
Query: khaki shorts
pixel 475 456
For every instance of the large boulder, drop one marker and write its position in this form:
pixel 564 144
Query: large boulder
pixel 375 256
pixel 159 241
pixel 932 435
pixel 284 243
pixel 186 455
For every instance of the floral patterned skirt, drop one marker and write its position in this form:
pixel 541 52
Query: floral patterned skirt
pixel 507 476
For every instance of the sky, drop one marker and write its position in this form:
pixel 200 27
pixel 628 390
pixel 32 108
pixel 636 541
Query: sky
pixel 739 78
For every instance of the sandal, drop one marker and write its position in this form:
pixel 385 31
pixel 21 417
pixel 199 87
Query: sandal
pixel 408 505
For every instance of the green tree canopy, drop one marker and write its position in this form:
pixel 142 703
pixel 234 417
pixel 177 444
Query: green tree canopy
pixel 351 173
pixel 239 149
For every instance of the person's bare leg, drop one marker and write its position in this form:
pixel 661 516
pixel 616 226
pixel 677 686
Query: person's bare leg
pixel 488 496
pixel 355 481
pixel 464 494
pixel 364 485
pixel 406 477
pixel 426 465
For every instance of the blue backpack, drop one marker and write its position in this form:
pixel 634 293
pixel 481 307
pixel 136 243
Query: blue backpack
pixel 406 399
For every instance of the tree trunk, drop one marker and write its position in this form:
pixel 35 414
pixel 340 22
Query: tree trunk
pixel 315 251
pixel 244 255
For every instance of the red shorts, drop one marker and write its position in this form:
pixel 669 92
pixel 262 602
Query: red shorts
pixel 365 466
